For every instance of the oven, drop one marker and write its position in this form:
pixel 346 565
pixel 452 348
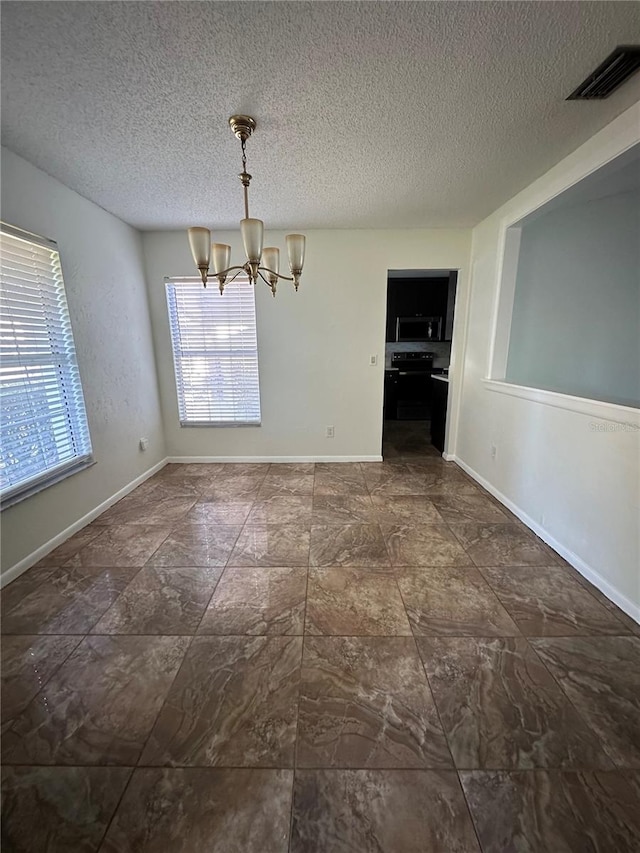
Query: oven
pixel 413 388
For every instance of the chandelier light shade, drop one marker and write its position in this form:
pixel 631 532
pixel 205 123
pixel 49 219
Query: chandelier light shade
pixel 260 263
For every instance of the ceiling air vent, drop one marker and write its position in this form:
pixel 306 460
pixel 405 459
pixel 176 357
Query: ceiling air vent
pixel 617 67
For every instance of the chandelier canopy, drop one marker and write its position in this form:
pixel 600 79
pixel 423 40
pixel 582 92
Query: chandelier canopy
pixel 261 263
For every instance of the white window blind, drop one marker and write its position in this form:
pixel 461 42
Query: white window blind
pixel 215 352
pixel 44 434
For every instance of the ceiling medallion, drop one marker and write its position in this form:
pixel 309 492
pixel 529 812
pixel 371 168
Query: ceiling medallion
pixel 261 263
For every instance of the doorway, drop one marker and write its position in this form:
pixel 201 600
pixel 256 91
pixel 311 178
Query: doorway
pixel 419 329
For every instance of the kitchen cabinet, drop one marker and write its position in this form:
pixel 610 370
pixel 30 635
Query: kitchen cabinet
pixel 390 410
pixel 420 297
pixel 439 397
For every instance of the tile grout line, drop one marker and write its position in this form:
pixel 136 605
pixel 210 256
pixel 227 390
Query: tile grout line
pixel 166 695
pixel 115 811
pixel 433 698
pixel 587 725
pixel 295 742
pixel 446 737
pixel 627 633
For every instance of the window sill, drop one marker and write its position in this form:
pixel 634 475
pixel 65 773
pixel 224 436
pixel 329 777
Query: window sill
pixel 55 477
pixel 628 416
pixel 218 424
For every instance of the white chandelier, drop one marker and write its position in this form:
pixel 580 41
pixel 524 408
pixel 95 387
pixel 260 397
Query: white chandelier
pixel 260 263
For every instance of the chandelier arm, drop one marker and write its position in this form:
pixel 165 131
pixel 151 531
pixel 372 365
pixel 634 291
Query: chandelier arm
pixel 277 274
pixel 213 275
pixel 234 277
pixel 268 283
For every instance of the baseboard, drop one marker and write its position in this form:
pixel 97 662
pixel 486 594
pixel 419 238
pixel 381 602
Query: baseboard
pixel 14 571
pixel 230 459
pixel 612 593
pixel 449 457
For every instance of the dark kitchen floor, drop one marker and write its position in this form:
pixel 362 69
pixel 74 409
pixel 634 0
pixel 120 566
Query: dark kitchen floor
pixel 407 440
pixel 373 658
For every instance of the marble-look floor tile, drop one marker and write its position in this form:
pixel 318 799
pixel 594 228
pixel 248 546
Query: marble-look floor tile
pixel 343 509
pixel 364 702
pixel 219 512
pixel 380 811
pixel 58 809
pixel 630 625
pixel 449 482
pixel 232 470
pixel 354 602
pixel 350 469
pixel 424 545
pixel 100 705
pixel 348 545
pixel 501 545
pixel 195 469
pixel 346 479
pixel 601 677
pixel 452 601
pixel 501 709
pixel 28 662
pixel 199 810
pixel 64 552
pixel 134 503
pixel 373 470
pixel 413 510
pixel 152 509
pixel 555 812
pixel 197 545
pixel 418 463
pixel 281 509
pixel 174 487
pixel 70 601
pixel 464 508
pixel 238 486
pixel 161 601
pixel 292 468
pixel 400 482
pixel 286 484
pixel 547 602
pixel 257 601
pixel 122 545
pixel 271 545
pixel 23 586
pixel 232 704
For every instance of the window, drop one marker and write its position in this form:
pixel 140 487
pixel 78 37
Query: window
pixel 215 352
pixel 44 435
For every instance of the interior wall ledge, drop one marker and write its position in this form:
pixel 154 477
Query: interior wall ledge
pixel 627 418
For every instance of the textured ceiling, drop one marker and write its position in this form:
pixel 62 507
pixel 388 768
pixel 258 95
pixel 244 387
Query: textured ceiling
pixel 370 115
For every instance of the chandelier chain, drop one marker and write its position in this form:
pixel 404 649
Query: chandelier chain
pixel 244 155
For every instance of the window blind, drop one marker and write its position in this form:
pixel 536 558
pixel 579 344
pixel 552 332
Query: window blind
pixel 215 352
pixel 44 434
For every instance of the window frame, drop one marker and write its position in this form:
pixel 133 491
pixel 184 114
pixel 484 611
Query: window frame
pixel 210 292
pixel 53 474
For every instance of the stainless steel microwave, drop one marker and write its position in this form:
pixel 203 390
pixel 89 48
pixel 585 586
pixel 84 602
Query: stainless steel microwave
pixel 419 328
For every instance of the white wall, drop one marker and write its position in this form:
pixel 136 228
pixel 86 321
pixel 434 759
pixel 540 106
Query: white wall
pixel 103 270
pixel 314 346
pixel 576 312
pixel 570 468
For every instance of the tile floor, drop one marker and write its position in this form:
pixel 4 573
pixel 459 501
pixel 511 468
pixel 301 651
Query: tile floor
pixel 316 659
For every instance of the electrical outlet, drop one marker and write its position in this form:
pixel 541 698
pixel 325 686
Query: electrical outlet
pixel 330 432
pixel 144 444
pixel 373 360
pixel 494 451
